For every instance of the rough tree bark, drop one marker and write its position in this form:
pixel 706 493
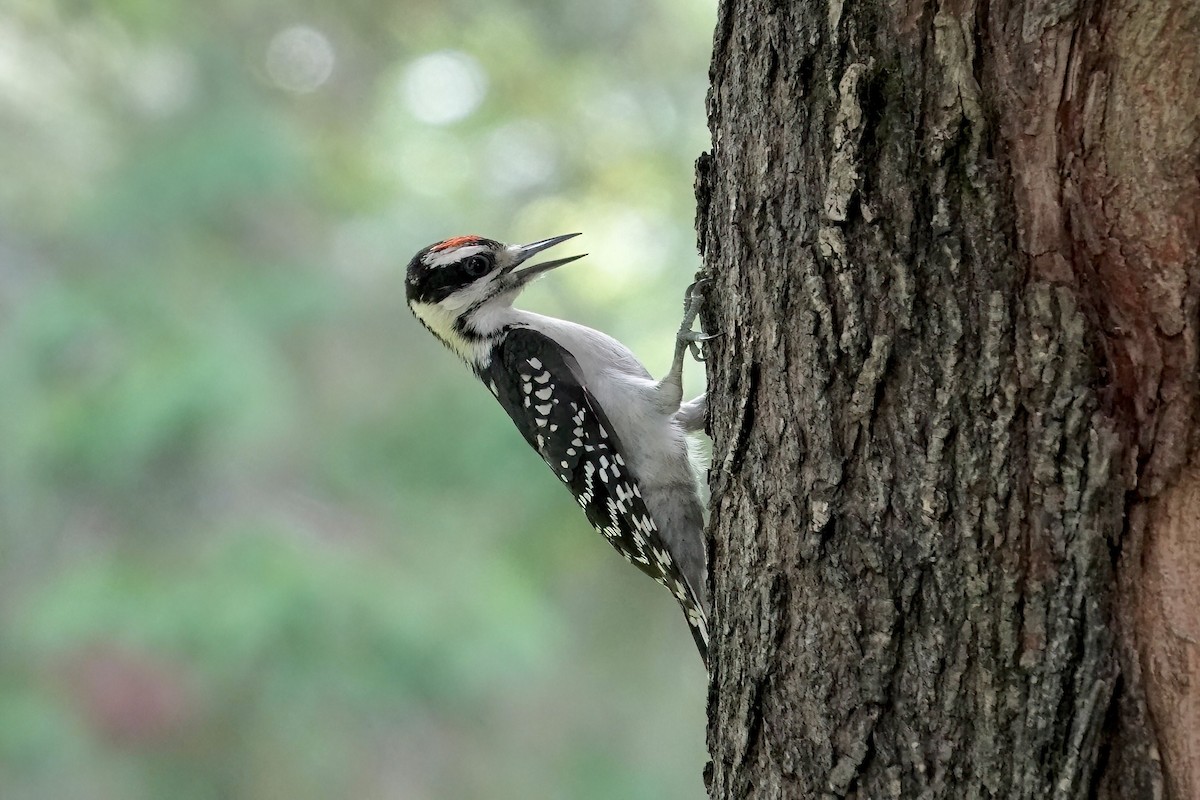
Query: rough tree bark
pixel 956 472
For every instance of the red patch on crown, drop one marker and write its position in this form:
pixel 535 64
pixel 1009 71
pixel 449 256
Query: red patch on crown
pixel 457 241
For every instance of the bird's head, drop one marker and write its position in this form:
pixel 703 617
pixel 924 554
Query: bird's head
pixel 460 288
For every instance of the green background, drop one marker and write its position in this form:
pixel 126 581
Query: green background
pixel 260 535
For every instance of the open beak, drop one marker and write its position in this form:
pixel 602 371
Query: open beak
pixel 527 251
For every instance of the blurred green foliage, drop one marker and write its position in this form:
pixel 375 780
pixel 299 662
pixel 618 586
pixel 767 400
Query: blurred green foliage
pixel 260 537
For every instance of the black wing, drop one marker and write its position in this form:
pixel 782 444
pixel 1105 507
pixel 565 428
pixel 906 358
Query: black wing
pixel 540 385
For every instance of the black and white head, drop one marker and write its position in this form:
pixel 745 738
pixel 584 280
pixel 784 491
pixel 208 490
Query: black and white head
pixel 461 289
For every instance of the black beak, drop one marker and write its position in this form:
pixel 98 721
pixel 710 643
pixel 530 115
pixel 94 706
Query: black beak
pixel 527 251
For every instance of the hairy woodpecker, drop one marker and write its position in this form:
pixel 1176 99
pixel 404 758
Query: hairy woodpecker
pixel 610 432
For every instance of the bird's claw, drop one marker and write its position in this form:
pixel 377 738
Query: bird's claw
pixel 693 302
pixel 694 339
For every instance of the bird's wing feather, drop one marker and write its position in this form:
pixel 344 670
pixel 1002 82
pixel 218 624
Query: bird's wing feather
pixel 540 385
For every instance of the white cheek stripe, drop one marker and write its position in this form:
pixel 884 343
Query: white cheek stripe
pixel 445 258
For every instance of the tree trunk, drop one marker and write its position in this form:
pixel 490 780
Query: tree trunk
pixel 955 535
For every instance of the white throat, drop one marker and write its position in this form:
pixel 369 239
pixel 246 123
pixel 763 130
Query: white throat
pixel 487 320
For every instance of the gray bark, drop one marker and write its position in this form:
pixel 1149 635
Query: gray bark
pixel 953 251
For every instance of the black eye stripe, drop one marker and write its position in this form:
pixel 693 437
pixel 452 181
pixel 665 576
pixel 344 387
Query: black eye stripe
pixel 435 283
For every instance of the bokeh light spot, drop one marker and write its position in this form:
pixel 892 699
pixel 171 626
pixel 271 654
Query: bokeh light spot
pixel 444 87
pixel 299 59
pixel 161 81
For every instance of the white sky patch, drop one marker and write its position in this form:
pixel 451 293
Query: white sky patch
pixel 634 245
pixel 51 98
pixel 33 77
pixel 161 81
pixel 614 117
pixel 300 59
pixel 520 155
pixel 444 87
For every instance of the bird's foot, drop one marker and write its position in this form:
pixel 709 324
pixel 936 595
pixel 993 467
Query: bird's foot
pixel 693 301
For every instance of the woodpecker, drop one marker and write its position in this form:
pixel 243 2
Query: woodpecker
pixel 612 434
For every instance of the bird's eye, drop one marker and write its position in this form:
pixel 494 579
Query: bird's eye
pixel 475 266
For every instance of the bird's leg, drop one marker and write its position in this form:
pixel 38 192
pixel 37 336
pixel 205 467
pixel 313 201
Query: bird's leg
pixel 670 388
